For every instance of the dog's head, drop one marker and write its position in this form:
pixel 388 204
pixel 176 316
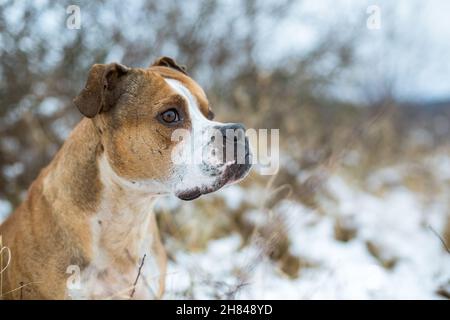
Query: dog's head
pixel 157 130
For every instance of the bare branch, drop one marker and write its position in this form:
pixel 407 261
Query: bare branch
pixel 138 276
pixel 440 238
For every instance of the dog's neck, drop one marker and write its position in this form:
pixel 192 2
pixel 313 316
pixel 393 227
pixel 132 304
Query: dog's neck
pixel 125 233
pixel 110 218
pixel 81 176
pixel 124 217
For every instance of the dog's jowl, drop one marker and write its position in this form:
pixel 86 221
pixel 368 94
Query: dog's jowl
pixel 90 210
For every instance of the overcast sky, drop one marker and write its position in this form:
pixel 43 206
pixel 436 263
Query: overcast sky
pixel 412 45
pixel 411 49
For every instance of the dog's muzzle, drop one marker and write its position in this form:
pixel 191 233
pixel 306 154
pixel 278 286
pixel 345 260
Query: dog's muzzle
pixel 230 159
pixel 236 155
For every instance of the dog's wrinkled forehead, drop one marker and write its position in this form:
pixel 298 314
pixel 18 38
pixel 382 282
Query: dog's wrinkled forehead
pixel 185 86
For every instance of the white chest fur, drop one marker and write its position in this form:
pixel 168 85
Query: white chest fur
pixel 126 258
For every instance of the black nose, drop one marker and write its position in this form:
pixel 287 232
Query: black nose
pixel 235 143
pixel 231 127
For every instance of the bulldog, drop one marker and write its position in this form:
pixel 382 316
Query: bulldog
pixel 86 229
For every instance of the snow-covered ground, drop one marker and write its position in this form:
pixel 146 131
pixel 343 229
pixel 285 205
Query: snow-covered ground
pixel 393 250
pixel 5 210
pixel 394 253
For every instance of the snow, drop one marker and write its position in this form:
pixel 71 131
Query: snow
pixel 5 210
pixel 395 223
pixel 410 261
pixel 233 195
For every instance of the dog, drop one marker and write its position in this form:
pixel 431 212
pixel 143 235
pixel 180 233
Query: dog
pixel 86 229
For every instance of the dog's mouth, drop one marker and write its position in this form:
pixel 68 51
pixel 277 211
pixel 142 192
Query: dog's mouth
pixel 190 194
pixel 233 173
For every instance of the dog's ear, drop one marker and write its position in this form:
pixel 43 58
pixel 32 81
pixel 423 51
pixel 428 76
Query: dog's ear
pixel 100 92
pixel 170 63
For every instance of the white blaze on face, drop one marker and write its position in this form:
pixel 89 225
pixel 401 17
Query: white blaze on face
pixel 199 121
pixel 188 173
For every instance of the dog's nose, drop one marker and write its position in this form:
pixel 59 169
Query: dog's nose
pixel 235 143
pixel 233 127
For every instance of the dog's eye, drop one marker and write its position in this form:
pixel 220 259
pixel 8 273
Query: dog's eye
pixel 170 116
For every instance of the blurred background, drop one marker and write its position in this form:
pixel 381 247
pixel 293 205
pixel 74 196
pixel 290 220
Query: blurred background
pixel 360 92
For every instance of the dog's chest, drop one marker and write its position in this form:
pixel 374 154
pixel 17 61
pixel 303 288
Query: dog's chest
pixel 123 264
pixel 102 280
